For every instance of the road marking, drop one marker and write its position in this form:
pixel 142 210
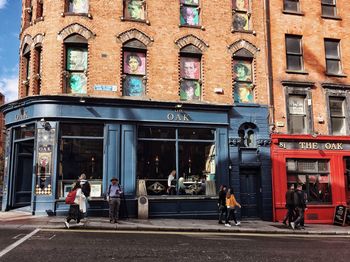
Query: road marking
pixel 18 242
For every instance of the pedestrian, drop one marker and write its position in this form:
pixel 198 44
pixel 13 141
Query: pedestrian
pixel 231 203
pixel 114 194
pixel 77 205
pixel 86 189
pixel 290 215
pixel 300 205
pixel 222 203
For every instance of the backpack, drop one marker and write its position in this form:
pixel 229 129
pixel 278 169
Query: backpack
pixel 71 197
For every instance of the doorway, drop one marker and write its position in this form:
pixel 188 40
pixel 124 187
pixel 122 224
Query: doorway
pixel 250 182
pixel 23 173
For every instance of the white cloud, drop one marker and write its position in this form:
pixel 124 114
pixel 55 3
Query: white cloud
pixel 9 87
pixel 2 4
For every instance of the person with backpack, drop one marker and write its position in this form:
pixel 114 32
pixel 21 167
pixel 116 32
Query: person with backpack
pixel 300 205
pixel 114 194
pixel 77 206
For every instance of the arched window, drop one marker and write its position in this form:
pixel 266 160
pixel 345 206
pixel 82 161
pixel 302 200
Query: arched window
pixel 26 69
pixel 241 15
pixel 134 68
pixel 190 73
pixel 37 69
pixel 247 134
pixel 243 76
pixel 76 62
pixel 77 6
pixel 135 10
pixel 189 13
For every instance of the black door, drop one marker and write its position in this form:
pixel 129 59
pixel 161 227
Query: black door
pixel 23 173
pixel 250 193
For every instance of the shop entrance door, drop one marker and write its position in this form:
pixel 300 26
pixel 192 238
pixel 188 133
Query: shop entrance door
pixel 250 193
pixel 23 173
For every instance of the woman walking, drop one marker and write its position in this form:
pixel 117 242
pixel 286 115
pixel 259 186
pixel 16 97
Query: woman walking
pixel 231 203
pixel 78 207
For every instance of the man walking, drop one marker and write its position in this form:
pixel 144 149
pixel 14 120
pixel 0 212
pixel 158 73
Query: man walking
pixel 300 205
pixel 222 204
pixel 289 205
pixel 113 197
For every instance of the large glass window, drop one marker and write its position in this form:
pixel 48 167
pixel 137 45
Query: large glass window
pixel 190 153
pixel 294 53
pixel 298 117
pixel 314 176
pixel 291 5
pixel 329 7
pixel 337 114
pixel 333 65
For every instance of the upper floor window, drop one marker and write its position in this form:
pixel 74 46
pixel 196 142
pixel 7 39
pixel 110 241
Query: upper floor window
pixel 134 68
pixel 337 109
pixel 294 53
pixel 189 12
pixel 28 12
pixel 298 116
pixel 26 69
pixel 241 15
pixel 135 9
pixel 78 6
pixel 190 73
pixel 291 5
pixel 333 61
pixel 329 8
pixel 247 134
pixel 39 8
pixel 76 54
pixel 37 69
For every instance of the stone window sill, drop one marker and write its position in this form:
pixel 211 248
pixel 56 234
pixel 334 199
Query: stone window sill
pixel 300 72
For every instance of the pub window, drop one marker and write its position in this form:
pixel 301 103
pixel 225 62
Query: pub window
pixel 76 57
pixel 39 8
pixel 291 5
pixel 337 114
pixel 297 114
pixel 247 134
pixel 81 151
pixel 26 57
pixel 314 177
pixel 135 10
pixel 190 73
pixel 333 61
pixel 294 53
pixel 158 150
pixel 37 69
pixel 241 15
pixel 189 12
pixel 329 8
pixel 134 68
pixel 77 6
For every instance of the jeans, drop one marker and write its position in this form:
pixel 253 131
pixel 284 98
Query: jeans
pixel 230 213
pixel 114 204
pixel 290 214
pixel 222 212
pixel 300 218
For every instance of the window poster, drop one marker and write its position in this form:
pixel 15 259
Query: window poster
pixel 296 105
pixel 134 63
pixel 78 83
pixel 242 70
pixel 79 6
pixel 190 67
pixel 244 93
pixel 133 86
pixel 189 15
pixel 240 21
pixel 190 90
pixel 190 2
pixel 240 4
pixel 134 9
pixel 77 59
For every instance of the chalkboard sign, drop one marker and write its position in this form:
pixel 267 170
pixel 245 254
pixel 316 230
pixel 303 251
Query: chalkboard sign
pixel 340 215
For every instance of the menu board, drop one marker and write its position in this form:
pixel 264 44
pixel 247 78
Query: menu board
pixel 340 213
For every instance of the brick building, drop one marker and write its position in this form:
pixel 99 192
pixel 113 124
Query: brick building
pixel 112 88
pixel 310 64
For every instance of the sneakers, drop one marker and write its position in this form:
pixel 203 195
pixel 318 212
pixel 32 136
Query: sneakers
pixel 238 223
pixel 292 224
pixel 66 224
pixel 227 225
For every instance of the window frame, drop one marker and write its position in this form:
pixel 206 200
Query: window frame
pixel 198 7
pixel 338 94
pixel 292 54
pixel 37 68
pixel 332 5
pixel 68 13
pixel 338 58
pixel 39 15
pixel 125 18
pixel 290 11
pixel 247 13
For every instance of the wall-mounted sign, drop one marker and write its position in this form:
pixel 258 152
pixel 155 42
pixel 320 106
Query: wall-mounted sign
pixel 178 116
pixel 314 145
pixel 105 88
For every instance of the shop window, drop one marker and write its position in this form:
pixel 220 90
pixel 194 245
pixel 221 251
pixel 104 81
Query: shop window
pixel 190 73
pixel 76 57
pixel 241 15
pixel 77 6
pixel 158 151
pixel 297 114
pixel 134 68
pixel 81 151
pixel 314 176
pixel 135 10
pixel 26 57
pixel 37 69
pixel 333 61
pixel 247 133
pixel 337 109
pixel 294 53
pixel 24 132
pixel 291 6
pixel 329 8
pixel 189 12
pixel 39 8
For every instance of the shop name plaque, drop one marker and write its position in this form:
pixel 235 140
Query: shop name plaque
pixel 178 116
pixel 314 145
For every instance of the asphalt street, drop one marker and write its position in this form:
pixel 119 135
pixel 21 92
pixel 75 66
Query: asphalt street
pixel 83 245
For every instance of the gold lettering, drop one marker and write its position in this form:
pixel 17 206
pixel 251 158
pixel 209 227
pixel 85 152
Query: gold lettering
pixel 314 145
pixel 302 145
pixel 327 146
pixel 282 145
pixel 185 117
pixel 178 117
pixel 170 116
pixel 340 146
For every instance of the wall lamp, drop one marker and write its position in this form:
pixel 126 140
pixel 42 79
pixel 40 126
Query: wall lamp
pixel 45 124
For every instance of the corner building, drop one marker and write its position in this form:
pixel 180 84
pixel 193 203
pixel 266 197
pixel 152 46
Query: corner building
pixel 310 145
pixel 114 89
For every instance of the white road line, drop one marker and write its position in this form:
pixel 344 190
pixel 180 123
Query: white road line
pixel 17 243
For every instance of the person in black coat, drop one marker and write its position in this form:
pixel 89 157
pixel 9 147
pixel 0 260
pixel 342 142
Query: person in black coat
pixel 289 205
pixel 222 203
pixel 300 206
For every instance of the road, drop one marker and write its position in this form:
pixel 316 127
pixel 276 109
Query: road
pixel 82 245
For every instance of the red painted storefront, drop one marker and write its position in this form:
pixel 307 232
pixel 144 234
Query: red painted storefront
pixel 333 150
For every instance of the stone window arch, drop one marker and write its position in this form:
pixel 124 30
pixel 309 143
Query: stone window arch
pixel 247 133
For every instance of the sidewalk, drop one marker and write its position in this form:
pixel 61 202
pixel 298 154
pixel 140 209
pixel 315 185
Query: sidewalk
pixel 23 220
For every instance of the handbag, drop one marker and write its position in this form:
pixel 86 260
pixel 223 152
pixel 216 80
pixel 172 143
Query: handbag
pixel 71 197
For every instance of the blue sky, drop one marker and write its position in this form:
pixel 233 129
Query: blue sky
pixel 10 20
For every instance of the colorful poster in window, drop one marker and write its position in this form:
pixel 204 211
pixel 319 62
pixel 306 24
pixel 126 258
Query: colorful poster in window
pixel 78 6
pixel 133 86
pixel 76 59
pixel 134 63
pixel 190 90
pixel 190 2
pixel 240 22
pixel 242 70
pixel 190 67
pixel 134 9
pixel 189 15
pixel 244 93
pixel 240 4
pixel 77 83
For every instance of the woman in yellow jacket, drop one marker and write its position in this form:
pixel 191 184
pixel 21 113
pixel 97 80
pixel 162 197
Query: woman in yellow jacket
pixel 231 203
